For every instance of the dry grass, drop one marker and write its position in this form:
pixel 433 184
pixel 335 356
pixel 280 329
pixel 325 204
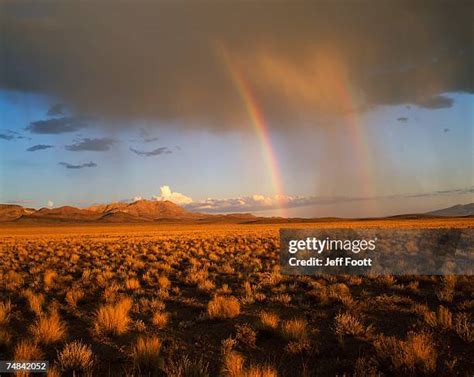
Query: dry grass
pixel 216 291
pixel 294 329
pixel 5 310
pixel 160 319
pixel 35 301
pixel 464 327
pixel 146 354
pixel 348 324
pixel 76 357
pixel 27 350
pixel 74 296
pixel 234 366
pixel 269 320
pixel 222 307
pixel 416 354
pixel 48 328
pixel 113 319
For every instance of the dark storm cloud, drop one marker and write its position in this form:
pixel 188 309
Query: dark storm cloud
pixel 78 166
pixel 39 147
pixel 57 109
pixel 154 152
pixel 169 61
pixel 95 145
pixel 436 102
pixel 58 125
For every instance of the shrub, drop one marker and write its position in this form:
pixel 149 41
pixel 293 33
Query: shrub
pixel 246 335
pixel 74 296
pixel 49 278
pixel 27 350
pixel 269 320
pixel 294 329
pixel 76 357
pixel 417 353
pixel 160 319
pixel 443 318
pixel 113 319
pixel 48 329
pixel 348 324
pixel 164 282
pixel 463 327
pixel 35 301
pixel 234 366
pixel 146 354
pixel 186 367
pixel 222 307
pixel 5 310
pixel 132 284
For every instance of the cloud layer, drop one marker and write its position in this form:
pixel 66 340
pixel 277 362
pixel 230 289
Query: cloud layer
pixel 154 152
pixel 39 147
pixel 302 59
pixel 94 145
pixel 78 166
pixel 58 125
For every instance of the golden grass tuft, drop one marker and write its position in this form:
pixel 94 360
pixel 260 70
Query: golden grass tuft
pixel 35 301
pixel 132 284
pixel 234 366
pixel 48 329
pixel 160 319
pixel 222 307
pixel 146 354
pixel 27 350
pixel 76 357
pixel 294 329
pixel 74 296
pixel 5 310
pixel 348 324
pixel 164 282
pixel 113 319
pixel 269 320
pixel 416 354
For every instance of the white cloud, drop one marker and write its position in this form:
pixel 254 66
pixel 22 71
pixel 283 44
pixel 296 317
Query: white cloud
pixel 175 197
pixel 50 203
pixel 248 203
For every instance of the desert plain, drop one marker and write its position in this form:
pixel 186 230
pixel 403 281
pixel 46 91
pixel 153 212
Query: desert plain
pixel 186 299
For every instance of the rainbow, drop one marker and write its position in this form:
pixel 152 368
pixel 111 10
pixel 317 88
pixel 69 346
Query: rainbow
pixel 357 134
pixel 257 120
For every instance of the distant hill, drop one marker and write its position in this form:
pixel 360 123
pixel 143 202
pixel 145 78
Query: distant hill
pixel 12 212
pixel 143 211
pixel 136 212
pixel 455 211
pixel 147 209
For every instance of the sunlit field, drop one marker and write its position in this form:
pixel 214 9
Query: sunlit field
pixel 209 300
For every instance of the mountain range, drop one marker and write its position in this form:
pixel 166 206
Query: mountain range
pixel 158 211
pixel 119 212
pixel 455 211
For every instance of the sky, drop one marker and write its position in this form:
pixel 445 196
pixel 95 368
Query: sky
pixel 307 109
